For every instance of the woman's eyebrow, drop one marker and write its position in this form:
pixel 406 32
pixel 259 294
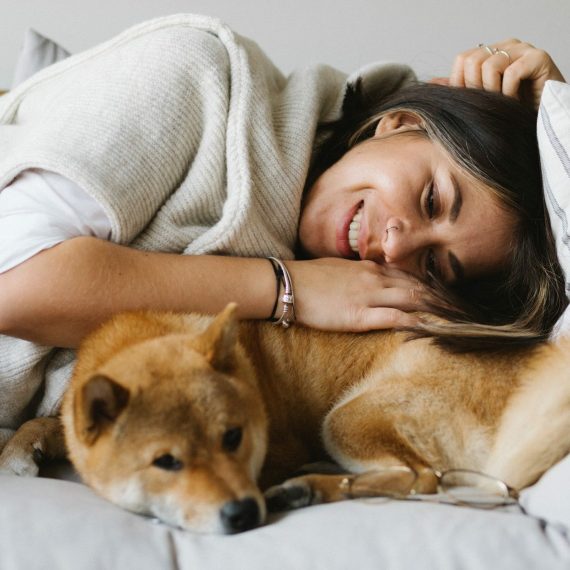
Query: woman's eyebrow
pixel 457 200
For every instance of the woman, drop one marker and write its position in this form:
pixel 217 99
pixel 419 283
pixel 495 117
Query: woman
pixel 419 210
pixel 496 265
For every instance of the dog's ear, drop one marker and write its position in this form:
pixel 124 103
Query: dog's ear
pixel 218 341
pixel 97 405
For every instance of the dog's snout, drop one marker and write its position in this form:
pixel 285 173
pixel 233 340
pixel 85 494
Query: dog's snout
pixel 241 515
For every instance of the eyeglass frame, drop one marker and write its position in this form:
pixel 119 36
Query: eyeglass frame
pixel 510 495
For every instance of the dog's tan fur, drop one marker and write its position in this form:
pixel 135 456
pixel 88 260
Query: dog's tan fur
pixel 151 384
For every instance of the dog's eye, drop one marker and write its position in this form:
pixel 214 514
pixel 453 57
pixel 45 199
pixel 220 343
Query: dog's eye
pixel 168 462
pixel 232 439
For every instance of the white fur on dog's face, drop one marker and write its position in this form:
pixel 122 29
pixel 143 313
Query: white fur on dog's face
pixel 200 516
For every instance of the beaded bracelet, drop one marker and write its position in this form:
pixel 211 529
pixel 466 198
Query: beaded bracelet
pixel 287 317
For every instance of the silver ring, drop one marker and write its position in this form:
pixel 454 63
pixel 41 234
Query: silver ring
pixel 505 53
pixel 490 50
pixel 391 228
pixel 495 51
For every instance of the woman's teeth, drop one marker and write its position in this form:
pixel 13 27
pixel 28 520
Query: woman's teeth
pixel 354 230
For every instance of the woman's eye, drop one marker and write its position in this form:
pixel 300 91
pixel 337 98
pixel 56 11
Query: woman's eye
pixel 430 201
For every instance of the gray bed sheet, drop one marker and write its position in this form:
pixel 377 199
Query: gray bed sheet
pixel 50 524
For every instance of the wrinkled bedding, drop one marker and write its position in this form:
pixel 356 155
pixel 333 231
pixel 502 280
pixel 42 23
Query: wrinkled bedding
pixel 59 524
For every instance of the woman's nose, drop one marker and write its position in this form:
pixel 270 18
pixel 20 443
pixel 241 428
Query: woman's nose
pixel 402 242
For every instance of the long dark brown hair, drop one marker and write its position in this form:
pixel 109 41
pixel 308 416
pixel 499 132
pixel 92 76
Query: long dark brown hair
pixel 493 139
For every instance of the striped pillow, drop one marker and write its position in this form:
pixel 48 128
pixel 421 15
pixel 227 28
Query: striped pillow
pixel 554 143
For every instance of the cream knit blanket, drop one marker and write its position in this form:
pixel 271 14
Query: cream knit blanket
pixel 189 137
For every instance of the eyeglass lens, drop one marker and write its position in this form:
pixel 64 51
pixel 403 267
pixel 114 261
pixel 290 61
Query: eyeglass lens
pixel 458 485
pixel 473 488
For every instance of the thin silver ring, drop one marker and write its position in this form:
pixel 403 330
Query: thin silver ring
pixel 490 50
pixel 505 53
pixel 391 228
pixel 496 51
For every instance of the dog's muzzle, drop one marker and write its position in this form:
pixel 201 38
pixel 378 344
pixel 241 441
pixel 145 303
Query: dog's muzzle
pixel 241 515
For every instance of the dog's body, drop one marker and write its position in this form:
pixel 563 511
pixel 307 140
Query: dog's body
pixel 170 415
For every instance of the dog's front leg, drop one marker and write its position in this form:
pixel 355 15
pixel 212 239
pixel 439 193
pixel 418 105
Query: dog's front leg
pixel 361 435
pixel 306 490
pixel 317 488
pixel 36 439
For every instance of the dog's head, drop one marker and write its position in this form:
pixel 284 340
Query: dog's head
pixel 175 427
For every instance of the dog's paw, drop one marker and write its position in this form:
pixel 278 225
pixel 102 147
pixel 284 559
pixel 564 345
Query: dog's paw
pixel 17 461
pixel 292 494
pixel 312 489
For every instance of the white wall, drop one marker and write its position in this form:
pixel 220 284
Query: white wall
pixel 346 34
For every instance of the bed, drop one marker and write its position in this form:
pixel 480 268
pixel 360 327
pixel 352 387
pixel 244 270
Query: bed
pixel 56 522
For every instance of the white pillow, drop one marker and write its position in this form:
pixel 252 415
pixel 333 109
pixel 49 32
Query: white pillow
pixel 549 499
pixel 553 131
pixel 37 52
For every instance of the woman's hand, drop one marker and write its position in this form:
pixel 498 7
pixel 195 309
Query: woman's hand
pixel 512 67
pixel 342 295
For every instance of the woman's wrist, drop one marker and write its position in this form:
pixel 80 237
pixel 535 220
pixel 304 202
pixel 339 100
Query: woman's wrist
pixel 254 288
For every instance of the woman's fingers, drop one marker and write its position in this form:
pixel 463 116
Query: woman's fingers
pixel 473 70
pixel 404 298
pixel 511 67
pixel 457 75
pixel 532 69
pixel 492 73
pixel 481 67
pixel 342 295
pixel 387 318
pixel 397 289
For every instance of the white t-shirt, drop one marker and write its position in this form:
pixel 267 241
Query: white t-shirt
pixel 40 209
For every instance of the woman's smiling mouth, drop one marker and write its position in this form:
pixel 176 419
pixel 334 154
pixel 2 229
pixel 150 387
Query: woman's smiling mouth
pixel 354 230
pixel 345 240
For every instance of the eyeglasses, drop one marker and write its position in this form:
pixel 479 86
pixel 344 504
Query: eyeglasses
pixel 455 486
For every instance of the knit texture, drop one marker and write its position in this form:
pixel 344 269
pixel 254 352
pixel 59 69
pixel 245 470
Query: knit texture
pixel 190 139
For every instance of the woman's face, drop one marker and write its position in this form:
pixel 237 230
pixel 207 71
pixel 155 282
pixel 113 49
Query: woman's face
pixel 410 208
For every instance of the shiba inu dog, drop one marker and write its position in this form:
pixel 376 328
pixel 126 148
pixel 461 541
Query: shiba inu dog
pixel 188 418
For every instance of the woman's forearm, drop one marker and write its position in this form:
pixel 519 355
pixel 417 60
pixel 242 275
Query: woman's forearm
pixel 58 296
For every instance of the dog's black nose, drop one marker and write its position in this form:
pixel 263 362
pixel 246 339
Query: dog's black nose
pixel 238 516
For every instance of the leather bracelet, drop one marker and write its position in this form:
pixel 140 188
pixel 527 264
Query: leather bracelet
pixel 287 317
